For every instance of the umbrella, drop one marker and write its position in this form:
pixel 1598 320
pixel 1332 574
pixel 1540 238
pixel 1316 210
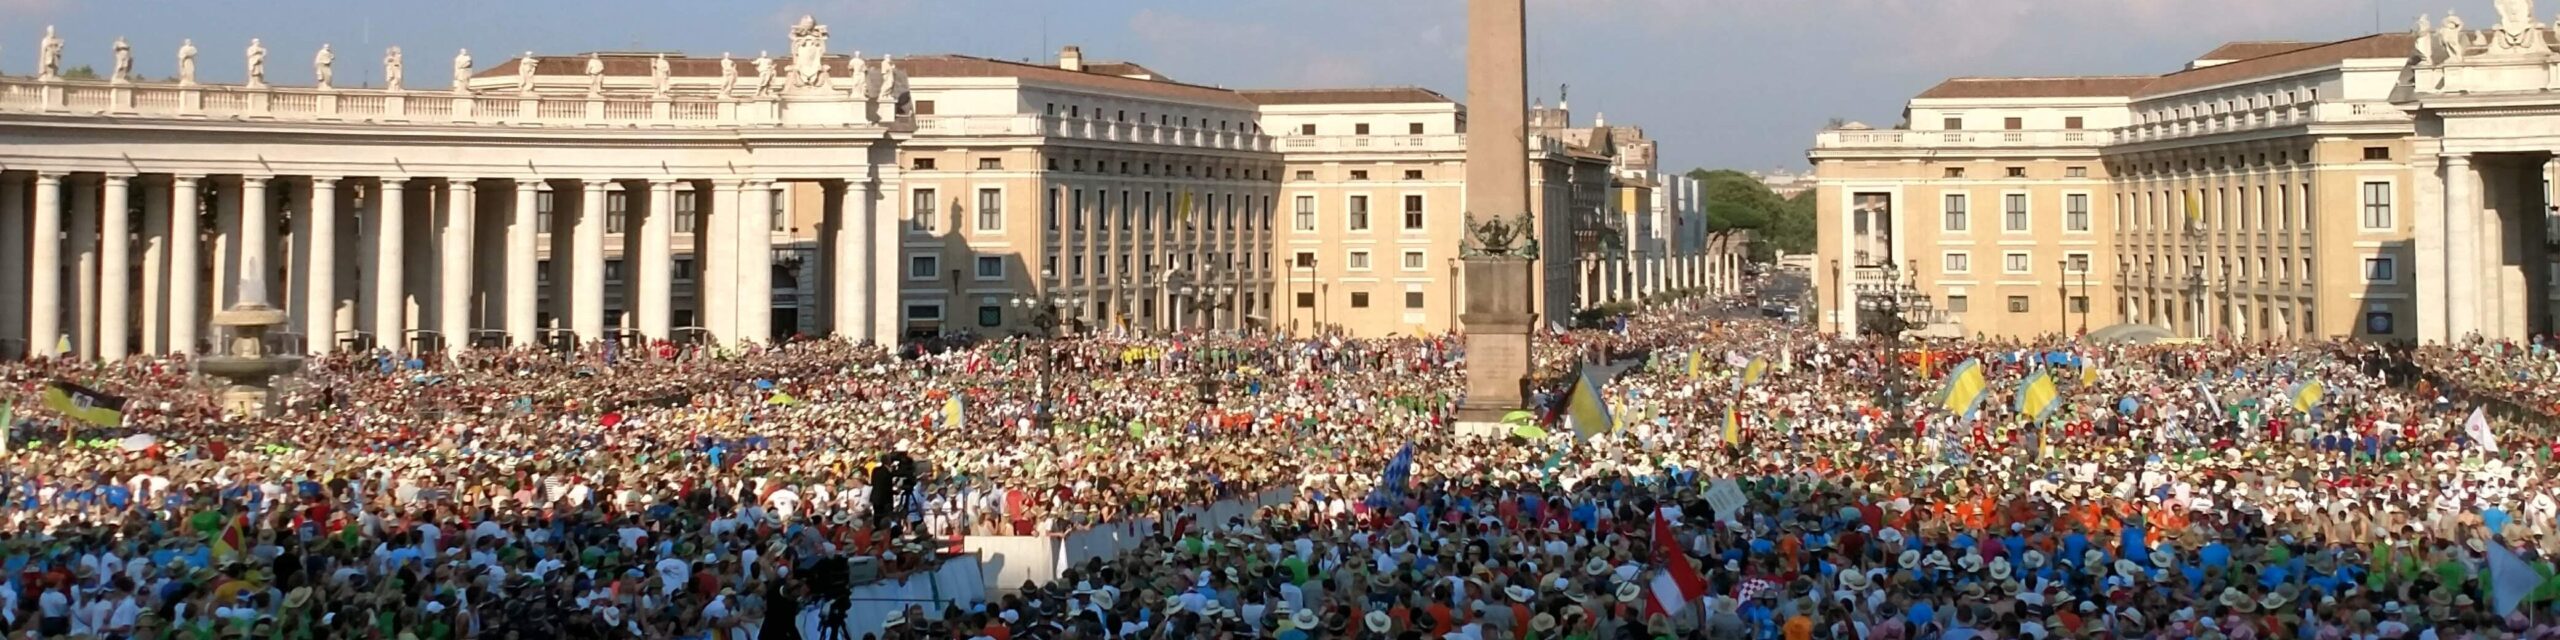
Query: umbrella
pixel 1520 418
pixel 1528 432
pixel 138 442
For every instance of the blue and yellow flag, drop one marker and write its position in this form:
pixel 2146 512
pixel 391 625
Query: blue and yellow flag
pixel 2038 397
pixel 1732 425
pixel 2306 394
pixel 1696 360
pixel 1965 388
pixel 1753 372
pixel 1587 408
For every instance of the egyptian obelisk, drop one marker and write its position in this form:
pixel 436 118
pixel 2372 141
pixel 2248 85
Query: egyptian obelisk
pixel 1498 287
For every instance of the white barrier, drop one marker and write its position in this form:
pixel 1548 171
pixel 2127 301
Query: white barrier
pixel 1008 561
pixel 958 580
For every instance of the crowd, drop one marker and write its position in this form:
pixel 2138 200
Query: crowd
pixel 1752 480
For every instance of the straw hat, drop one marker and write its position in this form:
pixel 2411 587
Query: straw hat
pixel 1853 580
pixel 1629 592
pixel 2034 559
pixel 2000 567
pixel 1910 559
pixel 1543 623
pixel 1376 621
pixel 1519 593
pixel 1305 619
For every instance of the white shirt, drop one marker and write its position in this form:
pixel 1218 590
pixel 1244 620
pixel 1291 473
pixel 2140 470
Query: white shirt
pixel 53 604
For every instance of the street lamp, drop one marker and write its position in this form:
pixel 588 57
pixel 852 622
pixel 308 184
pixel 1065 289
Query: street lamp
pixel 1208 298
pixel 1044 310
pixel 1886 308
pixel 2062 286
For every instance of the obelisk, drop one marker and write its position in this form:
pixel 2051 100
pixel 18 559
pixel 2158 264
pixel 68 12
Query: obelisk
pixel 1499 289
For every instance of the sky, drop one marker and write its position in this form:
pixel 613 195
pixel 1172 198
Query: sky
pixel 1741 84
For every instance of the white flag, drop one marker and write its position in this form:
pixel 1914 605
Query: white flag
pixel 2477 428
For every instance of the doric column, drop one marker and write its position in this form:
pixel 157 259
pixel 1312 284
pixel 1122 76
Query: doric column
pixel 886 324
pixel 115 244
pixel 44 295
pixel 524 257
pixel 719 263
pixel 754 292
pixel 320 302
pixel 13 256
pixel 155 265
pixel 453 306
pixel 850 264
pixel 186 268
pixel 391 261
pixel 2462 246
pixel 655 264
pixel 256 257
pixel 586 308
pixel 83 220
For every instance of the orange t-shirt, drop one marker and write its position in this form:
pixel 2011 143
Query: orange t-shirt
pixel 1798 628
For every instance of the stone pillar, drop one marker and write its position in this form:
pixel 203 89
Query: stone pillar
pixel 44 295
pixel 453 304
pixel 561 271
pixel 320 291
pixel 13 257
pixel 886 324
pixel 2462 246
pixel 655 264
pixel 83 219
pixel 524 258
pixel 115 260
pixel 719 263
pixel 257 232
pixel 849 266
pixel 753 296
pixel 391 261
pixel 155 265
pixel 586 285
pixel 186 271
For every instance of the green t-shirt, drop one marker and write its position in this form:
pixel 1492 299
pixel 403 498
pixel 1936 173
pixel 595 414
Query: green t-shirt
pixel 206 523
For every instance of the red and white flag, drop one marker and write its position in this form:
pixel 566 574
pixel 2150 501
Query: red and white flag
pixel 1678 584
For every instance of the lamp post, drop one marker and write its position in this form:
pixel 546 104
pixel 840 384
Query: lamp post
pixel 1208 298
pixel 1886 307
pixel 1044 310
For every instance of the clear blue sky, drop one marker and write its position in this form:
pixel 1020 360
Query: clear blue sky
pixel 1724 83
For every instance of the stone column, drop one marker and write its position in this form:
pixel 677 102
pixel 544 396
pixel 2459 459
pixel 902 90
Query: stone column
pixel 655 266
pixel 753 296
pixel 13 256
pixel 586 272
pixel 83 219
pixel 524 257
pixel 390 296
pixel 886 326
pixel 186 271
pixel 849 265
pixel 320 303
pixel 44 295
pixel 115 246
pixel 155 264
pixel 257 232
pixel 719 275
pixel 453 305
pixel 2462 246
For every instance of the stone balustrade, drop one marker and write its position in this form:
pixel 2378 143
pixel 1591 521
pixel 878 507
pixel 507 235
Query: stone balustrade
pixel 1075 128
pixel 381 106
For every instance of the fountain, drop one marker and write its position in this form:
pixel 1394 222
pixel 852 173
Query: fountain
pixel 244 360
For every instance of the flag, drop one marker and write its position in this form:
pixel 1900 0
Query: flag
pixel 1183 208
pixel 2512 580
pixel 234 539
pixel 1751 373
pixel 1696 358
pixel 2088 371
pixel 1965 387
pixel 2306 394
pixel 2038 397
pixel 1588 410
pixel 1786 358
pixel 1392 481
pixel 8 422
pixel 85 404
pixel 2195 211
pixel 2476 428
pixel 782 399
pixel 1924 363
pixel 953 416
pixel 1678 584
pixel 1732 425
pixel 2204 389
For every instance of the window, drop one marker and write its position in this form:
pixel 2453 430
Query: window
pixel 1306 214
pixel 2075 212
pixel 1413 174
pixel 2018 304
pixel 681 270
pixel 1413 299
pixel 924 312
pixel 1359 213
pixel 1413 128
pixel 1360 129
pixel 1307 129
pixel 2377 205
pixel 1050 216
pixel 990 209
pixel 2375 322
pixel 688 205
pixel 2016 262
pixel 2013 124
pixel 617 206
pixel 926 164
pixel 2073 123
pixel 923 266
pixel 1955 172
pixel 1957 262
pixel 1413 213
pixel 2381 269
pixel 1049 267
pixel 1359 299
pixel 1304 174
pixel 2075 172
pixel 990 268
pixel 1359 261
pixel 1958 220
pixel 924 107
pixel 2017 172
pixel 990 164
pixel 1413 261
pixel 2377 153
pixel 1953 124
pixel 920 214
pixel 613 271
pixel 542 212
pixel 780 217
pixel 2076 263
pixel 1306 300
pixel 1359 174
pixel 1959 304
pixel 2079 304
pixel 2014 216
pixel 990 315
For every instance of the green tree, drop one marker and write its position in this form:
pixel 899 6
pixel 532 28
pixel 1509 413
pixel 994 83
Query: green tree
pixel 82 72
pixel 1737 202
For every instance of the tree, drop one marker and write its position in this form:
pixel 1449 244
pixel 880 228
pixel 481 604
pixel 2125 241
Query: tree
pixel 1737 202
pixel 82 72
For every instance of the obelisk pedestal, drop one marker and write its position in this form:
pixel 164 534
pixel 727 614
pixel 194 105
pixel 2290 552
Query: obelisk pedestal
pixel 1500 282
